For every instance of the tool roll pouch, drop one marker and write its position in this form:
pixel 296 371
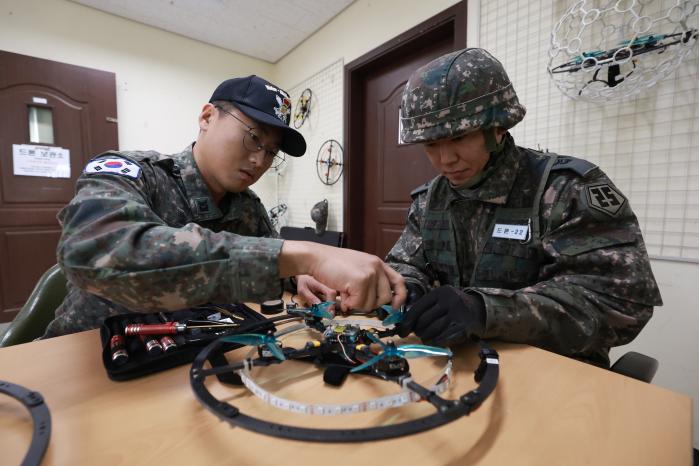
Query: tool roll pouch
pixel 131 356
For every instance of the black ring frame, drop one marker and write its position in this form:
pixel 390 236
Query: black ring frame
pixel 41 419
pixel 486 375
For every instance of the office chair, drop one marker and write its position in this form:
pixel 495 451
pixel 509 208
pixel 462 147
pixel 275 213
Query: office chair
pixel 636 365
pixel 32 320
pixel 331 238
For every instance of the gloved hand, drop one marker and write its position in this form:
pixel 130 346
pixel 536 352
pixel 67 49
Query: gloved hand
pixel 415 292
pixel 444 316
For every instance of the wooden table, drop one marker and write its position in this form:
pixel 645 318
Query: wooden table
pixel 546 410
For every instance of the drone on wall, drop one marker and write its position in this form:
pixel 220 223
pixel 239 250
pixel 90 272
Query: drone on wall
pixel 600 52
pixel 329 163
pixel 342 348
pixel 303 108
pixel 277 215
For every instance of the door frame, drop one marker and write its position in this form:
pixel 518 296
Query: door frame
pixel 454 19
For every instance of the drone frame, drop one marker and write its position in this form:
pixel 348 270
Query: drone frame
pixel 447 410
pixel 331 162
pixel 303 108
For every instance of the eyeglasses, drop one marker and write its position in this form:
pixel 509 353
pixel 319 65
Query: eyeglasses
pixel 251 141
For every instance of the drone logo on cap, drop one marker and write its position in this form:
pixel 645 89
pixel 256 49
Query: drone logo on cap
pixel 283 110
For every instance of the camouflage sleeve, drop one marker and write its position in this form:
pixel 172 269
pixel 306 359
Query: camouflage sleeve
pixel 407 256
pixel 115 246
pixel 596 288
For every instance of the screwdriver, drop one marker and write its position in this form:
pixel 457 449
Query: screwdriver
pixel 173 328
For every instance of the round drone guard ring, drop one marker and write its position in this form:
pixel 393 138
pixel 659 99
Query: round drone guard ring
pixel 303 108
pixel 279 161
pixel 41 419
pixel 329 163
pixel 447 411
pixel 602 54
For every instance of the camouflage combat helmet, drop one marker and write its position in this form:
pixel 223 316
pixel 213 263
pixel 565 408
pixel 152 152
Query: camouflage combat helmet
pixel 456 94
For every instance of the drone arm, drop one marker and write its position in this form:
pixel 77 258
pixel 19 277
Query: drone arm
pixel 438 402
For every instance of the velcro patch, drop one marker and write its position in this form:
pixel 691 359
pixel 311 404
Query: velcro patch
pixel 605 198
pixel 114 165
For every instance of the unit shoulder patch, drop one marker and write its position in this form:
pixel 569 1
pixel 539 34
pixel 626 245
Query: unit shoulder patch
pixel 114 165
pixel 605 198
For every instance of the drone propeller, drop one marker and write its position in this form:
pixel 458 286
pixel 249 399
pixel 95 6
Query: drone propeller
pixel 403 351
pixel 395 316
pixel 255 339
pixel 316 310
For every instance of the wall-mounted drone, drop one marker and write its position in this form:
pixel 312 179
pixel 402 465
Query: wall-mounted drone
pixel 303 108
pixel 276 215
pixel 329 162
pixel 601 51
pixel 343 348
pixel 612 60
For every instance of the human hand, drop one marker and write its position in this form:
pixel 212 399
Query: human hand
pixel 444 316
pixel 414 293
pixel 363 281
pixel 311 290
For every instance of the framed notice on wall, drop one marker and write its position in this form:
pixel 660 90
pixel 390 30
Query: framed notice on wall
pixel 46 161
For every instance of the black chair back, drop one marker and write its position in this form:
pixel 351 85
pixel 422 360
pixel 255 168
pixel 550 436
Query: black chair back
pixel 331 238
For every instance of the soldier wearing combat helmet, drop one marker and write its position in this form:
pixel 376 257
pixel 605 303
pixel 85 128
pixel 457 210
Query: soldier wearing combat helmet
pixel 507 242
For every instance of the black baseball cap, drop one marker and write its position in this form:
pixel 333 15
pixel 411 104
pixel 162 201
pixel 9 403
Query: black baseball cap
pixel 265 103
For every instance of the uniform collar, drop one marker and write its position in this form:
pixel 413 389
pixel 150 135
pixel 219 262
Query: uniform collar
pixel 200 201
pixel 496 187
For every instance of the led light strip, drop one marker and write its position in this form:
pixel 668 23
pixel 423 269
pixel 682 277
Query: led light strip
pixel 375 404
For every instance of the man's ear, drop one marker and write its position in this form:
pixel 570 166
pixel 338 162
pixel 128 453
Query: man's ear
pixel 205 116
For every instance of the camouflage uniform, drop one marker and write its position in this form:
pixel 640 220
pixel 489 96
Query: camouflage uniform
pixel 158 241
pixel 548 241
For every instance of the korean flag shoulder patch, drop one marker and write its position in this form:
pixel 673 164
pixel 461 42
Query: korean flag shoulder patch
pixel 114 165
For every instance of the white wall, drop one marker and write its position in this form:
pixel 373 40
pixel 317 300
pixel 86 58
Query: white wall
pixel 298 184
pixel 163 79
pixel 649 145
pixel 360 28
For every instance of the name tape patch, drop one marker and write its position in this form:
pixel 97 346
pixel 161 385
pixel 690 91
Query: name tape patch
pixel 519 232
pixel 114 165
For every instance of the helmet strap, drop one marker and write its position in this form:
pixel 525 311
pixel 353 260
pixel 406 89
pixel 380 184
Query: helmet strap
pixel 491 143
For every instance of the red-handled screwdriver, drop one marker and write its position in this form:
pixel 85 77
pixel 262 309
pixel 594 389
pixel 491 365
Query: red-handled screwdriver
pixel 172 328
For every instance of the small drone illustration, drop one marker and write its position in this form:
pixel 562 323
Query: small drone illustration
pixel 343 348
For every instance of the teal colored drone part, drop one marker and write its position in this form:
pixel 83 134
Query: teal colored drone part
pixel 403 351
pixel 320 309
pixel 649 39
pixel 254 339
pixel 395 316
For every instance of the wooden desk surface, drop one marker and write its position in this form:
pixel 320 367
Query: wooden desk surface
pixel 546 410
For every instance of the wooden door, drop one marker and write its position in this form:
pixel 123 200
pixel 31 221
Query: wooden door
pixel 53 118
pixel 380 172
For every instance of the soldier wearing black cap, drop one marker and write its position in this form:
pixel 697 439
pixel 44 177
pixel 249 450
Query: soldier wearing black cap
pixel 149 232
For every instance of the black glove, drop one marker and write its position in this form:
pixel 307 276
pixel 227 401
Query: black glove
pixel 444 316
pixel 415 292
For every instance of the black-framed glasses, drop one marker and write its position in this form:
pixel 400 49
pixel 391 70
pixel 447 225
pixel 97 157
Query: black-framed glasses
pixel 251 141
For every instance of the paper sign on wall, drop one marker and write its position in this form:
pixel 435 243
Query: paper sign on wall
pixel 46 161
